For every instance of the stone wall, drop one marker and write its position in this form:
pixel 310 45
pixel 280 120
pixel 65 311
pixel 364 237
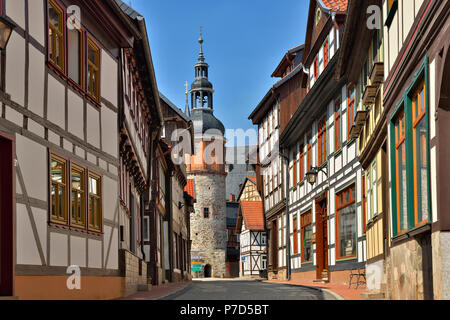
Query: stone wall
pixel 209 236
pixel 406 281
pixel 441 265
pixel 129 269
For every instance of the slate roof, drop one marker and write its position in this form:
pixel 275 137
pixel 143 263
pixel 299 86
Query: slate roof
pixel 205 120
pixel 252 211
pixel 129 11
pixel 174 107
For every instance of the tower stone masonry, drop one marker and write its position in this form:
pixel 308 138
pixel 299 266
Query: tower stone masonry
pixel 207 169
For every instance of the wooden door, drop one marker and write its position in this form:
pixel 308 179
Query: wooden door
pixel 321 236
pixel 6 216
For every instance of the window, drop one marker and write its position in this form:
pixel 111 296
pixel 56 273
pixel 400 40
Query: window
pixel 364 205
pixel 306 235
pixel 316 68
pixel 56 39
pixel 263 239
pixel 206 213
pixel 95 203
pixel 294 169
pixel 75 55
pixel 302 164
pixel 401 174
pixel 322 141
pixel 78 196
pixel 93 70
pixel 263 262
pixel 146 228
pixel 350 108
pixel 326 53
pixel 420 155
pixel 58 176
pixel 337 125
pixel 295 235
pixel 308 155
pixel 346 224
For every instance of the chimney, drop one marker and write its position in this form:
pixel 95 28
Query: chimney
pixel 232 198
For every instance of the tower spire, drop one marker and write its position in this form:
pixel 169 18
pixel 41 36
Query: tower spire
pixel 201 57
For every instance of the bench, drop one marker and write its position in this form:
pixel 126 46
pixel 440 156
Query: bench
pixel 358 273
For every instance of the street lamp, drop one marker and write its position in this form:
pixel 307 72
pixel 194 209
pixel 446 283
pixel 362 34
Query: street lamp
pixel 6 28
pixel 312 175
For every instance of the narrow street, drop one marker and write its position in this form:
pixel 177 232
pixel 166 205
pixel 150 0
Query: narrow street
pixel 247 290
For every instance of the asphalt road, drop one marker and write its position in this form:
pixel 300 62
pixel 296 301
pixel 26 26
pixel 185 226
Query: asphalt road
pixel 247 290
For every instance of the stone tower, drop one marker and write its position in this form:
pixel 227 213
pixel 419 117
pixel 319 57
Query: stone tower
pixel 207 169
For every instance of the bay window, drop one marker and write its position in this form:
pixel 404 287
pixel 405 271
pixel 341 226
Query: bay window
pixel 420 137
pixel 401 175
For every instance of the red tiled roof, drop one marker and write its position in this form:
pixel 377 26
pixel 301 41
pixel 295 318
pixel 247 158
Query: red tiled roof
pixel 190 188
pixel 253 214
pixel 336 5
pixel 253 179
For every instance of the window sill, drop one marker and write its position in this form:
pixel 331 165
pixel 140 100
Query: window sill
pixel 66 227
pixel 346 259
pixel 338 153
pixel 412 233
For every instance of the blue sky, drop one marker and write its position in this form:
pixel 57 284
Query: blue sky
pixel 244 42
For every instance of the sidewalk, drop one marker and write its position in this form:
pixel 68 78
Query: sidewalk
pixel 159 292
pixel 342 292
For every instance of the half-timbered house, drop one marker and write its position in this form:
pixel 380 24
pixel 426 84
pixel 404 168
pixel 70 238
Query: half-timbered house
pixel 325 202
pixel 177 125
pixel 60 94
pixel 361 60
pixel 253 239
pixel 416 107
pixel 140 122
pixel 272 115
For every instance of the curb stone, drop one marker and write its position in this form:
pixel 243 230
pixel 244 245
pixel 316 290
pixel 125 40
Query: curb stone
pixel 332 293
pixel 173 292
